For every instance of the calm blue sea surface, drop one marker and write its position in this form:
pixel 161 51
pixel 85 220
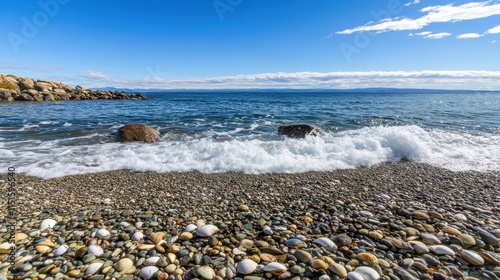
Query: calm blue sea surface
pixel 237 131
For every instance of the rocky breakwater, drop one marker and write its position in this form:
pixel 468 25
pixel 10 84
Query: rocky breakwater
pixel 13 88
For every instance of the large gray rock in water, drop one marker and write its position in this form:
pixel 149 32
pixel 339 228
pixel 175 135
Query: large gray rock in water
pixel 300 130
pixel 138 132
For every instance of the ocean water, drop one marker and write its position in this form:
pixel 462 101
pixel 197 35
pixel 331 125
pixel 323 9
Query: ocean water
pixel 237 131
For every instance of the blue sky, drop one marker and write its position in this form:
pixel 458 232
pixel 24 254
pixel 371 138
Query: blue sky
pixel 254 43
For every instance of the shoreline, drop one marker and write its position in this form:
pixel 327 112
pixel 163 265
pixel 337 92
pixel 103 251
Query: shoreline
pixel 424 201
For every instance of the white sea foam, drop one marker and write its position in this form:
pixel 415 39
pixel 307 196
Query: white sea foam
pixel 27 126
pixel 349 149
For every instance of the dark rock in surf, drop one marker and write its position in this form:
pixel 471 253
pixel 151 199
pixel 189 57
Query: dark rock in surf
pixel 300 130
pixel 138 132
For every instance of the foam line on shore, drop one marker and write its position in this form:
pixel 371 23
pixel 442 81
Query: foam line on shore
pixel 253 155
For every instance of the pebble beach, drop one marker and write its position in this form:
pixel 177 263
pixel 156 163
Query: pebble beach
pixel 402 220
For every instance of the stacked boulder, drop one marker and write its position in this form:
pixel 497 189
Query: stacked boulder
pixel 13 88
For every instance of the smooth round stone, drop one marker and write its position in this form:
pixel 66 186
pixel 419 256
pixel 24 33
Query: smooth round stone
pixel 206 260
pixel 88 258
pixel 154 224
pixel 297 269
pixel 240 236
pixel 303 256
pixel 24 267
pixel 97 277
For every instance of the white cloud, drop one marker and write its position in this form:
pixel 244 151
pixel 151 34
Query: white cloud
pixel 309 80
pixel 494 41
pixel 434 14
pixel 412 3
pixel 469 36
pixel 97 75
pixel 494 30
pixel 430 35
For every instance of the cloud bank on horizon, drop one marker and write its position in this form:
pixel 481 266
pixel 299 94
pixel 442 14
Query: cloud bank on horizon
pixel 435 14
pixel 473 80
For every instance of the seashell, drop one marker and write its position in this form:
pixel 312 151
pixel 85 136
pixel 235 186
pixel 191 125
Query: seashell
pixel 295 243
pixel 206 272
pixel 157 237
pixel 451 230
pixel 472 257
pixel 275 267
pixel 442 250
pixel 102 233
pixel 326 243
pixel 246 266
pixel 123 265
pixel 490 257
pixel 207 230
pixel 368 258
pixel 367 273
pixel 429 239
pixel 93 268
pixel 47 223
pixel 338 269
pixel 354 276
pixel 186 236
pixel 342 240
pixel 267 230
pixel 42 249
pixel 151 260
pixel 137 236
pixel 190 227
pixel 319 264
pixel 61 250
pixel 96 250
pixel 148 272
